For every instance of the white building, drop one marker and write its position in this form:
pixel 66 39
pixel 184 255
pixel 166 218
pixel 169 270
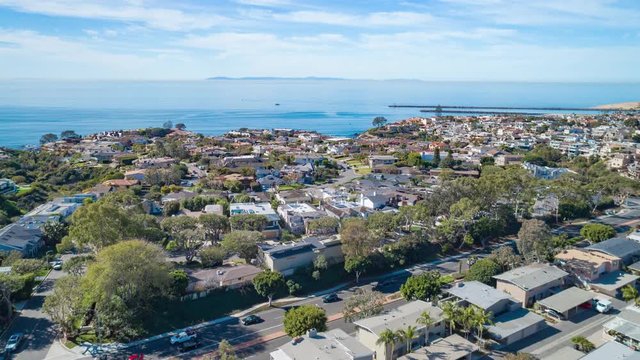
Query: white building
pixel 331 345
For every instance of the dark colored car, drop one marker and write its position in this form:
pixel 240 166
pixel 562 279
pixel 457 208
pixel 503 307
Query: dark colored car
pixel 251 319
pixel 333 297
pixel 188 345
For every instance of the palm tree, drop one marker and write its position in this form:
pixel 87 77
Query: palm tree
pixel 629 293
pixel 451 315
pixel 408 335
pixel 467 319
pixel 386 338
pixel 481 319
pixel 426 320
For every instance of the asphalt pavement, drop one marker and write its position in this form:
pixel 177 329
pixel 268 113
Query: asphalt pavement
pixel 236 333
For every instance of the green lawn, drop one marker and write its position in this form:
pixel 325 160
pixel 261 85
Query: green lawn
pixel 290 187
pixel 364 170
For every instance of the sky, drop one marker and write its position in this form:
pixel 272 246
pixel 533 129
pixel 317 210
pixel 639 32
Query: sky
pixel 439 40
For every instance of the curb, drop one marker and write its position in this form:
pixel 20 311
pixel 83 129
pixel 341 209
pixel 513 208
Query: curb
pixel 418 267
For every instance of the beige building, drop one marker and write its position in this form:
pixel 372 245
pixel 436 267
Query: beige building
pixel 368 330
pixel 587 265
pixel 286 258
pixel 528 284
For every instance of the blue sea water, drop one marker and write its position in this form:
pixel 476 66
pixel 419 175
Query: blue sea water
pixel 30 108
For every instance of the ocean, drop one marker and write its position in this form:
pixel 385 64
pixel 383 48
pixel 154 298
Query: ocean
pixel 30 108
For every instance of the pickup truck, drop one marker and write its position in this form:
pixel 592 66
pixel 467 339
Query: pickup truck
pixel 183 337
pixel 603 306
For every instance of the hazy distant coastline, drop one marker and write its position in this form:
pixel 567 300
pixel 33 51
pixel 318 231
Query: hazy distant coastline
pixel 631 105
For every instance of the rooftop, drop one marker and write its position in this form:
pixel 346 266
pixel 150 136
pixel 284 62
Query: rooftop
pixel 532 276
pixel 614 280
pixel 331 345
pixel 612 351
pixel 400 317
pixel 478 294
pixel 450 348
pixel 582 255
pixel 567 299
pixel 513 322
pixel 619 246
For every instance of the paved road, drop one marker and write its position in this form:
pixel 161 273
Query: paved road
pixel 236 333
pixel 559 335
pixel 39 331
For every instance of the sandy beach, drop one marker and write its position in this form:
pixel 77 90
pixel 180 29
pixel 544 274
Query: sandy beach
pixel 632 105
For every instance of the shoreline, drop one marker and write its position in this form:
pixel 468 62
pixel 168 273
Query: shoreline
pixel 631 105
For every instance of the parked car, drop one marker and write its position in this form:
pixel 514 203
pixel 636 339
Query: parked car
pixel 183 337
pixel 188 345
pixel 251 319
pixel 14 342
pixel 603 306
pixel 333 297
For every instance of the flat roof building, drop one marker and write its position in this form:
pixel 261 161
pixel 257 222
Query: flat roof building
pixel 331 345
pixel 530 283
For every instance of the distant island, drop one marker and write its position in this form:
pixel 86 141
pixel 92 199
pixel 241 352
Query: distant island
pixel 273 78
pixel 631 105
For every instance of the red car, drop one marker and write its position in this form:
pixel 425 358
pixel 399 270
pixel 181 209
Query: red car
pixel 136 357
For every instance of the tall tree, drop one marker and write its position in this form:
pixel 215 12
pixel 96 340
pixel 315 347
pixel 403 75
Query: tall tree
pixel 534 240
pixel 299 320
pixel 214 225
pixel 64 305
pixel 424 286
pixel 248 222
pixel 426 320
pixel 100 224
pixel 388 338
pixel 268 283
pixel 243 243
pixel 379 121
pixel 125 283
pixel 364 303
pixel 483 270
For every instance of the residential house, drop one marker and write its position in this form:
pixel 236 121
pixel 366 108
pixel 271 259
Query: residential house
pixel 300 174
pixel 297 215
pixel 240 161
pixel 7 187
pixel 381 160
pixel 154 163
pixel 612 351
pixel 22 238
pixel 135 175
pixel 453 347
pixel 177 196
pixel 375 200
pixel 270 182
pixel 545 172
pixel 222 276
pixel 272 229
pixel 286 258
pixel 368 330
pixel 330 345
pixel 293 197
pixel 214 209
pixel 625 249
pixel 530 283
pixel 624 328
pixel 587 265
pixel 511 322
pixel 121 183
pixel 508 159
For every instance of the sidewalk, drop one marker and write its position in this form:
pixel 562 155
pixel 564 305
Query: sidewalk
pixel 57 351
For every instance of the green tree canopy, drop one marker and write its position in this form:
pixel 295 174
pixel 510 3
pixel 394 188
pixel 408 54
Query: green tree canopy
pixel 424 286
pixel 125 282
pixel 299 320
pixel 483 270
pixel 243 243
pixel 268 283
pixel 248 222
pixel 597 232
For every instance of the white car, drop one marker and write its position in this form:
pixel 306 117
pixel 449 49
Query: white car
pixel 603 306
pixel 183 337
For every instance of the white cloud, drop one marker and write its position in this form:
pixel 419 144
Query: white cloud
pixel 127 11
pixel 265 3
pixel 395 18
